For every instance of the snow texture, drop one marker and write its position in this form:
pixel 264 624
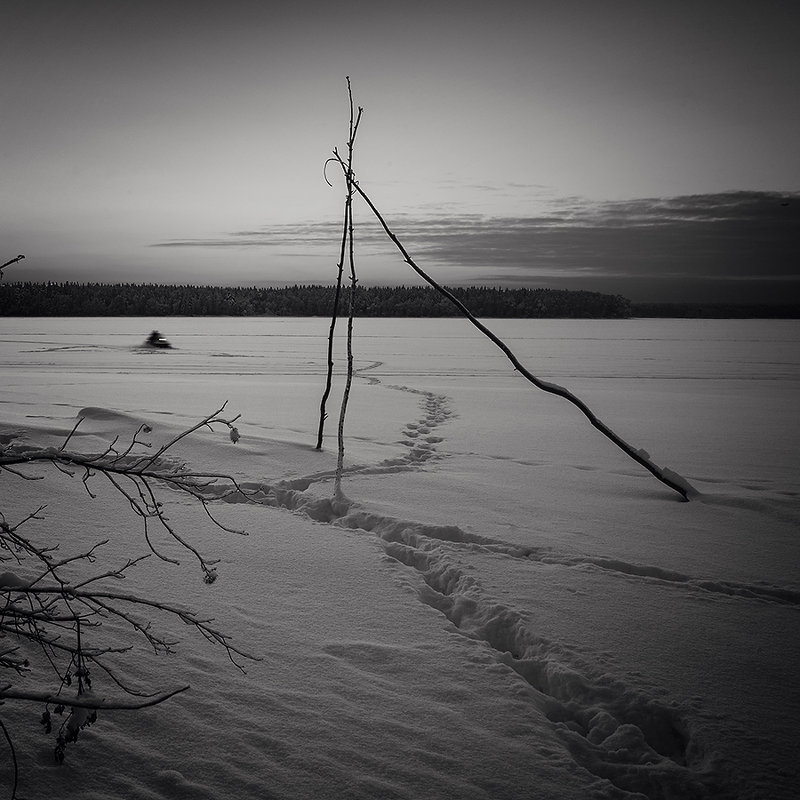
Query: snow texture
pixel 502 605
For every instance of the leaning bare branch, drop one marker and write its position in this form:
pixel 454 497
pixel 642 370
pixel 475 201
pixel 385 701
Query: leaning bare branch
pixel 666 476
pixel 9 263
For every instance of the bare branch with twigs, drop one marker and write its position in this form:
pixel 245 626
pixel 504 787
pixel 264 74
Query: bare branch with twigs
pixel 54 608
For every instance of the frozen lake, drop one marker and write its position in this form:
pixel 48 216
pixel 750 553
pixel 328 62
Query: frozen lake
pixel 539 610
pixel 716 395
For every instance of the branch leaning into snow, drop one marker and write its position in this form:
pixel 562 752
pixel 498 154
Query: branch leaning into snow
pixel 9 263
pixel 666 476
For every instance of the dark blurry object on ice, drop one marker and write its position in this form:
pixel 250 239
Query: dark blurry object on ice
pixel 155 339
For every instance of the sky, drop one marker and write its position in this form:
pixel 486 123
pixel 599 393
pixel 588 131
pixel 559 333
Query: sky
pixel 640 148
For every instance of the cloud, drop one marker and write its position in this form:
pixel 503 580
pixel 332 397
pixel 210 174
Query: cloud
pixel 294 239
pixel 693 243
pixel 287 235
pixel 733 232
pixel 690 241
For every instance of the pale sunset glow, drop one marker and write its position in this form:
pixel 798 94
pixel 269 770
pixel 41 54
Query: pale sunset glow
pixel 648 150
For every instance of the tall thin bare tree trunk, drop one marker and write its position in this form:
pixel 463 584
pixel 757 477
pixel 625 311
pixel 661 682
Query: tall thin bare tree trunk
pixel 348 234
pixel 346 226
pixel 334 316
pixel 349 380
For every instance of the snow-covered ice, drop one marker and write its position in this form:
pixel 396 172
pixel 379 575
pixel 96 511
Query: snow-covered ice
pixel 504 605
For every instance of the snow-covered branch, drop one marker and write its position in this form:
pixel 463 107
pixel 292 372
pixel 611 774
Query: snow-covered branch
pixel 54 606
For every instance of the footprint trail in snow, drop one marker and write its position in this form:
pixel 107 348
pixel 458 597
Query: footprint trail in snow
pixel 641 744
pixel 615 731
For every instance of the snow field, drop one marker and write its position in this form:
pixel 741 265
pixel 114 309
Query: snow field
pixel 505 607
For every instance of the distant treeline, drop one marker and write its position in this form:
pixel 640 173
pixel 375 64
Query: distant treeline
pixel 159 300
pixel 140 300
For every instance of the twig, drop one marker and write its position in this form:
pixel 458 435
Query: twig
pixel 74 428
